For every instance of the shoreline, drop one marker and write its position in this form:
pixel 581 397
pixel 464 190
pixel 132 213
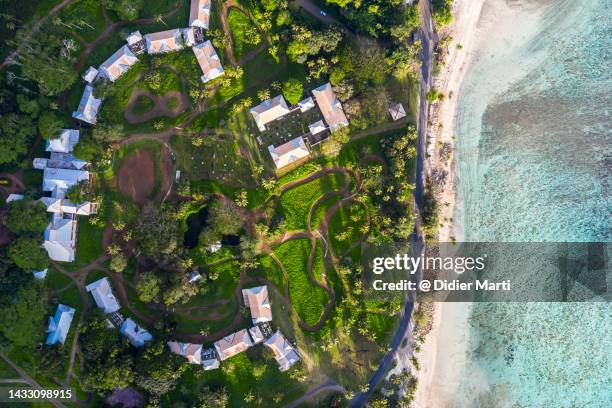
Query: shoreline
pixel 441 127
pixel 466 14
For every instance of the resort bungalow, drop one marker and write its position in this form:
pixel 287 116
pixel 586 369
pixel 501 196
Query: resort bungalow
pixel 88 107
pixel 136 335
pixel 284 353
pixel 40 275
pixel 256 299
pixel 164 41
pixel 209 359
pixel 289 152
pixel 233 344
pixel 59 325
pixel 256 335
pixel 199 13
pixel 269 110
pixel 306 104
pixel 118 63
pixel 136 42
pixel 90 75
pixel 330 107
pixel 192 352
pixel 60 238
pixel 103 295
pixel 61 172
pixel 209 61
pixel 65 143
pixel 397 111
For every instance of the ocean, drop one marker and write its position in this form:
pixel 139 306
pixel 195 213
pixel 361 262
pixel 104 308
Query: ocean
pixel 534 164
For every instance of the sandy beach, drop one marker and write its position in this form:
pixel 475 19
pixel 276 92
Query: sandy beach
pixel 484 43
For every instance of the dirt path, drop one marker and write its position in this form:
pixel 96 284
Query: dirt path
pixel 229 50
pixel 160 106
pixel 29 379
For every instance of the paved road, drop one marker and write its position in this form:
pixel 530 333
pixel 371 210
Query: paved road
pixel 315 10
pixel 403 329
pixel 29 379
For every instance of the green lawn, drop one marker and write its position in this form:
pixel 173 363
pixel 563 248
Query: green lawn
pixel 321 209
pixel 239 23
pixel 268 269
pixel 56 280
pixel 307 299
pixel 142 105
pixel 296 202
pixel 89 243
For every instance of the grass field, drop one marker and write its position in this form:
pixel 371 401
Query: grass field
pixel 142 105
pixel 268 269
pixel 321 209
pixel 296 202
pixel 307 299
pixel 239 24
pixel 344 226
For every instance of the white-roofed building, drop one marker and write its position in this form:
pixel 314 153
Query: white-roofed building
pixel 284 353
pixel 317 127
pixel 256 335
pixel 164 41
pixel 330 107
pixel 63 205
pixel 199 13
pixel 233 344
pixel 40 275
pixel 136 42
pixel 192 352
pixel 269 110
pixel 209 61
pixel 90 75
pixel 65 143
pixel 59 180
pixel 136 335
pixel 60 238
pixel 257 300
pixel 118 63
pixel 59 325
pixel 306 104
pixel 289 152
pixel 103 295
pixel 210 361
pixel 88 107
pixel 14 197
pixel 397 111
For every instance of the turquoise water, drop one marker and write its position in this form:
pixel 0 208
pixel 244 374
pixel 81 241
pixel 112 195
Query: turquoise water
pixel 534 163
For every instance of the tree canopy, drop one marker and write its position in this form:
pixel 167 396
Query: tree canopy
pixel 27 253
pixel 26 216
pixel 293 90
pixel 22 318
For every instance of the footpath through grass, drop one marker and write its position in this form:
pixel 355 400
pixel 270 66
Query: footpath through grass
pixel 307 299
pixel 296 202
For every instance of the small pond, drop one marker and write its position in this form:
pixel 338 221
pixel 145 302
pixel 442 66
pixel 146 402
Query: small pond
pixel 196 222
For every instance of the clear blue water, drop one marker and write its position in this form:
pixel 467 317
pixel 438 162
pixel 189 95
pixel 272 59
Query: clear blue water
pixel 535 164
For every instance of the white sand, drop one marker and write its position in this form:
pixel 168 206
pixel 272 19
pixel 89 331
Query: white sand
pixel 464 28
pixel 490 32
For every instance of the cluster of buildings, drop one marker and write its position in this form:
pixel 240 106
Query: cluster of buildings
pixel 59 325
pixel 153 43
pixel 257 300
pixel 296 149
pixel 62 171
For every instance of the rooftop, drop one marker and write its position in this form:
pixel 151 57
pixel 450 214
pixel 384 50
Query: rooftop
pixel 118 63
pixel 164 41
pixel 257 300
pixel 199 13
pixel 88 107
pixel 233 344
pixel 103 295
pixel 289 152
pixel 209 61
pixel 330 107
pixel 269 110
pixel 59 325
